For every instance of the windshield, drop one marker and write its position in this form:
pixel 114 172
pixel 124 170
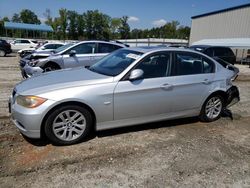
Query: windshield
pixel 62 48
pixel 116 62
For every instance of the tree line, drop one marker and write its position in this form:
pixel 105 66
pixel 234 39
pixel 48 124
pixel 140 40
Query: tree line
pixel 92 24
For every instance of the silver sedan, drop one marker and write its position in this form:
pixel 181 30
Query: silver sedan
pixel 129 86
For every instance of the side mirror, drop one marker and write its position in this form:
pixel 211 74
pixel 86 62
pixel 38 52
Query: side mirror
pixel 42 48
pixel 136 74
pixel 72 53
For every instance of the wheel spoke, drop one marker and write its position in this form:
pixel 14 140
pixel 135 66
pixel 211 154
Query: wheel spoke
pixel 59 129
pixel 70 135
pixel 75 116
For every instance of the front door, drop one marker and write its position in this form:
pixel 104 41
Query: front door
pixel 149 96
pixel 83 56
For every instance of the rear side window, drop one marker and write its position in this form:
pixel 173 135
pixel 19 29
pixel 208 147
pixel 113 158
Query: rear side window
pixel 107 48
pixel 219 52
pixel 25 41
pixel 187 63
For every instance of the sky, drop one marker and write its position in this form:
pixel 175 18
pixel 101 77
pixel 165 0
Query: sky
pixel 142 13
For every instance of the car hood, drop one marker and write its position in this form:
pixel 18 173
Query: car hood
pixel 60 79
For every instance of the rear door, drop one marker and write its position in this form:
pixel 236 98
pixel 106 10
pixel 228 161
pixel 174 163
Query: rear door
pixel 83 57
pixel 104 49
pixel 191 77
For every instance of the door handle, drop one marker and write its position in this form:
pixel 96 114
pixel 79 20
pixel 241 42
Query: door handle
pixel 206 81
pixel 167 87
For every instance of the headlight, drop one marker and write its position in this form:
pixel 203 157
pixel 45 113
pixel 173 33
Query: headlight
pixel 30 101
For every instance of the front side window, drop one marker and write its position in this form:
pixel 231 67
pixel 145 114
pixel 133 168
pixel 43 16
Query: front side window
pixel 155 66
pixel 187 63
pixel 85 48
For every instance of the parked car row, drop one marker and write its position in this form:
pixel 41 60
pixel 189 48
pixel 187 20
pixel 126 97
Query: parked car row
pixel 126 87
pixel 82 54
pixel 47 47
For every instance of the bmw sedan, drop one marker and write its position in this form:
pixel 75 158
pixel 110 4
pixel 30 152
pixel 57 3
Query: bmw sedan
pixel 129 86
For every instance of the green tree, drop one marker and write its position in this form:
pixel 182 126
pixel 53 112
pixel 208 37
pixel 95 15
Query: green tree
pixel 80 27
pixel 183 32
pixel 2 30
pixel 27 16
pixel 63 22
pixel 47 15
pixel 124 29
pixel 114 26
pixel 96 25
pixel 72 28
pixel 16 18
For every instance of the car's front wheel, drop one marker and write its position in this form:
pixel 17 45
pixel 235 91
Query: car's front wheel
pixel 68 125
pixel 212 108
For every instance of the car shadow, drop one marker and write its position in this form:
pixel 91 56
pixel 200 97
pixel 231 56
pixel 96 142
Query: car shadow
pixel 118 131
pixel 134 128
pixel 147 126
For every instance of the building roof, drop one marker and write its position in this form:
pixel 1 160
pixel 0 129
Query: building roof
pixel 229 42
pixel 24 26
pixel 220 11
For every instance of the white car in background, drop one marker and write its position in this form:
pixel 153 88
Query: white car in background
pixel 19 44
pixel 47 47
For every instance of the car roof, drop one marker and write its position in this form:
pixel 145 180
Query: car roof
pixel 101 41
pixel 207 46
pixel 147 49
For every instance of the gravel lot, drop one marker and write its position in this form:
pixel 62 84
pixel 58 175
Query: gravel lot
pixel 180 153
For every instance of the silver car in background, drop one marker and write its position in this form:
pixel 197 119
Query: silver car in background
pixel 82 54
pixel 130 86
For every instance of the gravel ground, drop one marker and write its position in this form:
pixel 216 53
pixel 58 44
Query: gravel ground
pixel 180 153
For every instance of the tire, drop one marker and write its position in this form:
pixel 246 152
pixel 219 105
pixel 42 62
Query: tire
pixel 2 53
pixel 68 125
pixel 51 67
pixel 212 108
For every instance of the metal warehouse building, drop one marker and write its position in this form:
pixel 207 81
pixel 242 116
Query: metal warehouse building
pixel 227 23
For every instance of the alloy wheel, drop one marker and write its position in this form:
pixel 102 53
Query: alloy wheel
pixel 69 125
pixel 213 107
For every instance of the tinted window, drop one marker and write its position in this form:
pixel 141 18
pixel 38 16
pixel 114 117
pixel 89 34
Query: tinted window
pixel 25 41
pixel 209 52
pixel 17 41
pixel 155 65
pixel 57 46
pixel 223 52
pixel 49 46
pixel 187 63
pixel 85 48
pixel 107 48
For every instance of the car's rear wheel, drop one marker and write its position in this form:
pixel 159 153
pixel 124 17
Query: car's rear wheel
pixel 2 53
pixel 68 125
pixel 212 108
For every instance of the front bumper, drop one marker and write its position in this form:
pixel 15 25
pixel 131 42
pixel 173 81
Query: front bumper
pixel 28 71
pixel 27 120
pixel 233 96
